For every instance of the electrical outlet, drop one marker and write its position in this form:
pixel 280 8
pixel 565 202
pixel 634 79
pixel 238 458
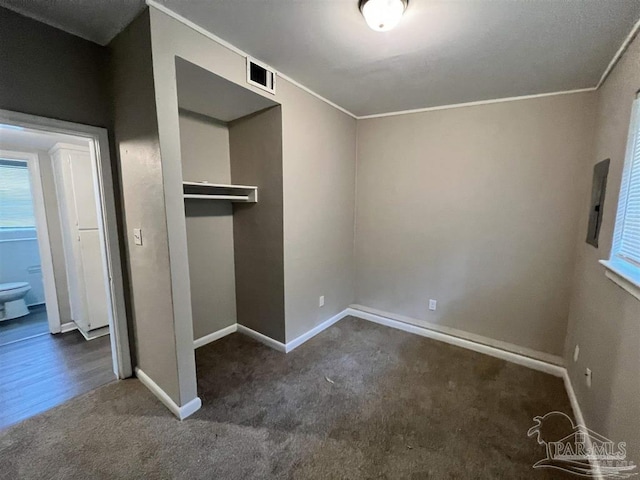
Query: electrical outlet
pixel 576 353
pixel 588 377
pixel 137 236
pixel 433 304
pixel 321 301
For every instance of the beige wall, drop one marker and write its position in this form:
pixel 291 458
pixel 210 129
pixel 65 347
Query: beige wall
pixel 604 319
pixel 204 149
pixel 477 208
pixel 319 145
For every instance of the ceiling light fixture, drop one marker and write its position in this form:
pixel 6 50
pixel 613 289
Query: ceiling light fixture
pixel 382 15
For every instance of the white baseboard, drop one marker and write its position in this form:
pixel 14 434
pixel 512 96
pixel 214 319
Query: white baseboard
pixel 268 341
pixel 577 411
pixel 181 412
pixel 212 337
pixel 472 337
pixel 93 334
pixel 526 361
pixel 315 330
pixel 579 418
pixel 36 304
pixel 68 327
pixel 288 347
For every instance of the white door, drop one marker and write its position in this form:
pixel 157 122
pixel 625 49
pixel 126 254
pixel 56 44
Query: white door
pixel 76 188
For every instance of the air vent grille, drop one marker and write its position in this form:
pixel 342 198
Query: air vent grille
pixel 261 76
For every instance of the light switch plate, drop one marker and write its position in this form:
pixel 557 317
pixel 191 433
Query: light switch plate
pixel 321 301
pixel 433 304
pixel 576 353
pixel 137 236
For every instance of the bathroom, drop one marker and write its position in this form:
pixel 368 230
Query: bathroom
pixel 22 299
pixel 55 298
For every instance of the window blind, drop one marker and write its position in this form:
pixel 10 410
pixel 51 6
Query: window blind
pixel 16 202
pixel 627 234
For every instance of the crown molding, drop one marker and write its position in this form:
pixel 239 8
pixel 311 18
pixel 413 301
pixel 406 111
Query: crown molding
pixel 618 55
pixel 474 104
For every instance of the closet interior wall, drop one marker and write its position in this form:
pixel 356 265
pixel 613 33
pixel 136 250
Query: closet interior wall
pixel 204 146
pixel 232 136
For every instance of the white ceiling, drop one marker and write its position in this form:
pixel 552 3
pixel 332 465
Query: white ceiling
pixel 443 52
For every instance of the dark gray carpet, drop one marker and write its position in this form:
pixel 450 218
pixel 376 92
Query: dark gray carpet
pixel 357 401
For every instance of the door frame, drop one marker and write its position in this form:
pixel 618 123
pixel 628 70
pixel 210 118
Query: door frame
pixel 99 146
pixel 42 233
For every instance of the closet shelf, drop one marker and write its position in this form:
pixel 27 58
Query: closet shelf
pixel 217 191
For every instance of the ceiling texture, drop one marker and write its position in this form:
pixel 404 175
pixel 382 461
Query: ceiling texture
pixel 443 52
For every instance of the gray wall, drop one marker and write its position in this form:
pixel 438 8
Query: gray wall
pixel 204 150
pixel 47 72
pixel 477 208
pixel 256 159
pixel 604 319
pixel 136 134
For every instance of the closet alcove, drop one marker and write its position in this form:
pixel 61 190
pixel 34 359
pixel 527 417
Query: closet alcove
pixel 231 158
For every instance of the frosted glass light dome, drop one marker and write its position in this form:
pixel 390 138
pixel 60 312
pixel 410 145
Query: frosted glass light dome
pixel 382 15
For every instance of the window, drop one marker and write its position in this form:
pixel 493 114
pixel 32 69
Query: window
pixel 624 264
pixel 16 203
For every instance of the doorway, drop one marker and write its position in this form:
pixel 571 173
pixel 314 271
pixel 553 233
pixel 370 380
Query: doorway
pixel 63 328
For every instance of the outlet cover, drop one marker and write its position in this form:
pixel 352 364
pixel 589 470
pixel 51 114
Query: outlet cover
pixel 137 236
pixel 588 377
pixel 433 304
pixel 321 301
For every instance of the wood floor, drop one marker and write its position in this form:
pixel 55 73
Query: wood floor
pixel 24 327
pixel 41 372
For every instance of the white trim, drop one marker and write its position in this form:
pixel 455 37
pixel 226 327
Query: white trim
pixel 181 412
pixel 471 337
pixel 577 411
pixel 93 334
pixel 13 240
pixel 68 327
pixel 579 419
pixel 42 232
pixel 68 146
pixel 526 361
pixel 623 279
pixel 618 55
pixel 212 337
pixel 268 341
pixel 224 43
pixel 475 104
pixel 315 331
pixel 99 140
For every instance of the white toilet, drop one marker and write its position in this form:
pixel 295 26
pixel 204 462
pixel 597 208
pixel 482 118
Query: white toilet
pixel 12 304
